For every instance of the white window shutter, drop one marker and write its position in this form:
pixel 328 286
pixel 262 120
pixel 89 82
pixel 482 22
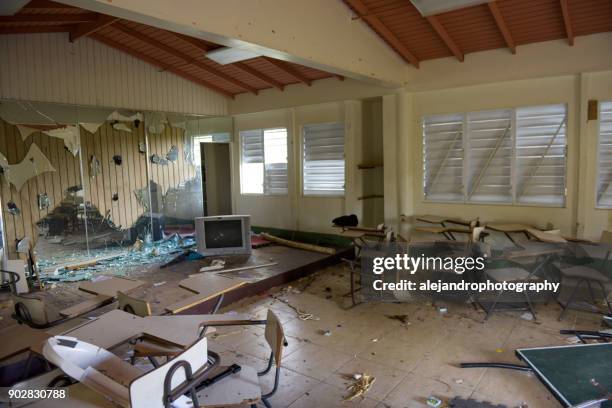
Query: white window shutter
pixel 490 149
pixel 275 162
pixel 323 159
pixel 443 157
pixel 604 159
pixel 540 155
pixel 252 168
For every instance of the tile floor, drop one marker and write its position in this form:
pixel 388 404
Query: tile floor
pixel 410 361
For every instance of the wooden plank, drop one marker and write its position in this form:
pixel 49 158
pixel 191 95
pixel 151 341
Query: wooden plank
pixel 445 37
pixel 385 33
pixel 207 287
pixel 567 22
pixel 259 75
pixel 19 339
pixel 288 69
pixel 109 330
pixel 503 27
pixel 110 285
pixel 85 29
pixel 86 306
pixel 299 245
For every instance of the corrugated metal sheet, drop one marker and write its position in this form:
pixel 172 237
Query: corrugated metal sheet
pixel 47 67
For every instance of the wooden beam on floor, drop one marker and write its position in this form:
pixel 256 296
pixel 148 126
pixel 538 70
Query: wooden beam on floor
pixel 567 21
pixel 503 27
pixel 378 26
pixel 445 37
pixel 163 66
pixel 85 29
pixel 288 69
pixel 259 75
pixel 183 57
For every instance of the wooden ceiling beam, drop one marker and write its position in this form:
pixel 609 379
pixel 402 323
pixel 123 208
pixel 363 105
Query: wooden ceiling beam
pixel 85 29
pixel 137 54
pixel 503 27
pixel 259 75
pixel 196 42
pixel 183 57
pixel 446 38
pixel 49 18
pixel 47 4
pixel 378 26
pixel 35 29
pixel 288 69
pixel 567 21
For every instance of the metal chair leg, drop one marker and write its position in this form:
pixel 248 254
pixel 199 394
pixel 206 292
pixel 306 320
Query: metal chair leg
pixel 569 301
pixel 494 305
pixel 605 295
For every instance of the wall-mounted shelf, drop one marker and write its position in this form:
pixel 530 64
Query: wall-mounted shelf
pixel 365 166
pixel 366 197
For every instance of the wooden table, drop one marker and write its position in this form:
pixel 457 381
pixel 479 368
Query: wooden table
pixel 110 285
pixel 207 286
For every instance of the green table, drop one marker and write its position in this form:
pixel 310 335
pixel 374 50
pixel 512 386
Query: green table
pixel 567 370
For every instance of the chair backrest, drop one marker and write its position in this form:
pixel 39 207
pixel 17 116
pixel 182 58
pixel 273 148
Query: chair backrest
pixel 275 336
pixel 132 305
pixel 148 390
pixel 606 237
pixel 35 309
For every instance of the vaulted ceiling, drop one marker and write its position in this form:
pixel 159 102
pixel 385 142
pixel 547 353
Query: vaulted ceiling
pixel 172 52
pixel 492 25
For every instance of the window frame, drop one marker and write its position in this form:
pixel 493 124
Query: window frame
pixel 466 159
pixel 302 161
pixel 597 161
pixel 263 135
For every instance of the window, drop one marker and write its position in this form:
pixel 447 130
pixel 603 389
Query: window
pixel 604 158
pixel 264 161
pixel 323 159
pixel 511 156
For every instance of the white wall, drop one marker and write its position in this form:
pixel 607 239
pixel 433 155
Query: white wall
pixel 47 67
pixel 295 211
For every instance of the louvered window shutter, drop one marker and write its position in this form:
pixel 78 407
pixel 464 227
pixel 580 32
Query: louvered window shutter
pixel 252 163
pixel 604 158
pixel 540 155
pixel 323 159
pixel 275 162
pixel 443 157
pixel 490 135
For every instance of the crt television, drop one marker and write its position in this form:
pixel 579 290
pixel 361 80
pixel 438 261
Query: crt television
pixel 223 235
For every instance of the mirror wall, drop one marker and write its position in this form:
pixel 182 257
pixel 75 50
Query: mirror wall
pixel 87 189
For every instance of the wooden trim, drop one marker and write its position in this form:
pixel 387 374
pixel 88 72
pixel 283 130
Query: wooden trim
pixel 35 29
pixel 184 57
pixel 444 36
pixel 163 66
pixel 85 29
pixel 567 21
pixel 49 18
pixel 363 12
pixel 34 4
pixel 503 27
pixel 288 69
pixel 259 75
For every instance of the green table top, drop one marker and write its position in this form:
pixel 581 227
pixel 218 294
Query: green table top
pixel 567 370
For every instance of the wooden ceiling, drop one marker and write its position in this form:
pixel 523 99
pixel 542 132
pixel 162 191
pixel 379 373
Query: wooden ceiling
pixel 172 52
pixel 496 24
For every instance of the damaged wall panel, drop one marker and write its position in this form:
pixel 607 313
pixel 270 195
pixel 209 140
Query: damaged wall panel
pixel 104 144
pixel 52 183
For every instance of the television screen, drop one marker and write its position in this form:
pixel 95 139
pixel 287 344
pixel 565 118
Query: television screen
pixel 223 233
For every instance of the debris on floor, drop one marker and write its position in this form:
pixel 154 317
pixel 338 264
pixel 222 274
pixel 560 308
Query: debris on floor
pixel 470 403
pixel 104 261
pixel 403 319
pixel 302 315
pixel 434 402
pixel 362 383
